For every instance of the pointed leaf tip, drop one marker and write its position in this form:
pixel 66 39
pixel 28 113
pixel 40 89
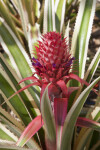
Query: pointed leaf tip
pixel 85 122
pixel 24 88
pixel 28 78
pixel 30 130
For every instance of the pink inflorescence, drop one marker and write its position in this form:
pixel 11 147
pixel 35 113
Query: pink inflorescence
pixel 53 58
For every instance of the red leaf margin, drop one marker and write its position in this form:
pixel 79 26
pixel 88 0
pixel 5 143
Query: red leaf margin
pixel 85 122
pixel 30 130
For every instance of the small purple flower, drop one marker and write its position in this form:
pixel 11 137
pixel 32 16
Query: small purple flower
pixel 36 62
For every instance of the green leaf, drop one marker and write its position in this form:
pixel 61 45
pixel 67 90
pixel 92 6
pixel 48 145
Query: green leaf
pixel 8 119
pixel 14 2
pixel 85 135
pixel 12 147
pixel 90 71
pixel 17 55
pixel 69 1
pixel 29 10
pixel 60 14
pixel 73 115
pixel 14 79
pixel 6 134
pixel 48 118
pixel 4 13
pixel 17 130
pixel 95 141
pixel 92 67
pixel 82 33
pixel 15 101
pixel 66 35
pixel 23 17
pixel 49 16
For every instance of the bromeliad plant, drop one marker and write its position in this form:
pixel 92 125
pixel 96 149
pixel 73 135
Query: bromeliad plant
pixel 56 113
pixel 52 65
